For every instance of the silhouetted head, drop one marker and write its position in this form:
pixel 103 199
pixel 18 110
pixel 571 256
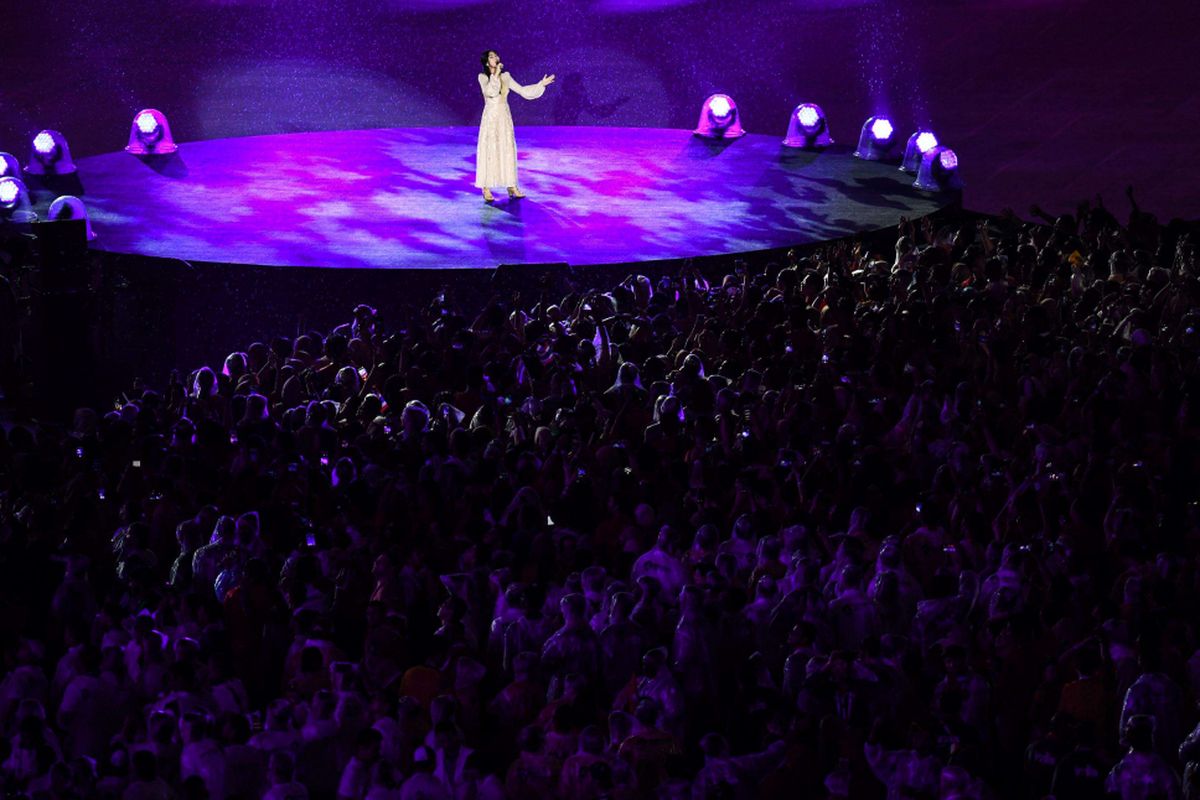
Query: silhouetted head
pixel 489 61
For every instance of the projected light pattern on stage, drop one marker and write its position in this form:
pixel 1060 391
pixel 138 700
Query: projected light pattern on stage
pixel 402 198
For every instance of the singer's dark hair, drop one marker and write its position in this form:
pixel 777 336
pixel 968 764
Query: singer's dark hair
pixel 483 61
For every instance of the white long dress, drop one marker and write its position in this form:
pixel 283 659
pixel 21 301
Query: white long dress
pixel 496 153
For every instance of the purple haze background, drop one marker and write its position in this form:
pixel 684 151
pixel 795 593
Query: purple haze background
pixel 1047 101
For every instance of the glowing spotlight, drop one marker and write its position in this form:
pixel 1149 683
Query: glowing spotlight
pixel 808 128
pixel 918 145
pixel 70 207
pixel 719 118
pixel 939 170
pixel 50 156
pixel 15 205
pixel 877 138
pixel 9 166
pixel 44 143
pixel 150 134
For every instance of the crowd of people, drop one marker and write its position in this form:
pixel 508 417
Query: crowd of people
pixel 914 521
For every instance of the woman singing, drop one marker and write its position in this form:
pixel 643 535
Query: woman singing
pixel 496 154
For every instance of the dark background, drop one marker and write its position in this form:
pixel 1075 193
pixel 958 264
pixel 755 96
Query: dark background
pixel 1045 100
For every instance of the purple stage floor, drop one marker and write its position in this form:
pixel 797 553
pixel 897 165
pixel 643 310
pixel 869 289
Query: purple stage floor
pixel 403 198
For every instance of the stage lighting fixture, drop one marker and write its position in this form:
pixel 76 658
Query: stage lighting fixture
pixel 150 134
pixel 719 118
pixel 808 128
pixel 70 207
pixel 15 205
pixel 877 138
pixel 939 170
pixel 50 156
pixel 9 166
pixel 919 144
pixel 43 143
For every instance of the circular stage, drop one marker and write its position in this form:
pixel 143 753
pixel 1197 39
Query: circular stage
pixel 402 198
